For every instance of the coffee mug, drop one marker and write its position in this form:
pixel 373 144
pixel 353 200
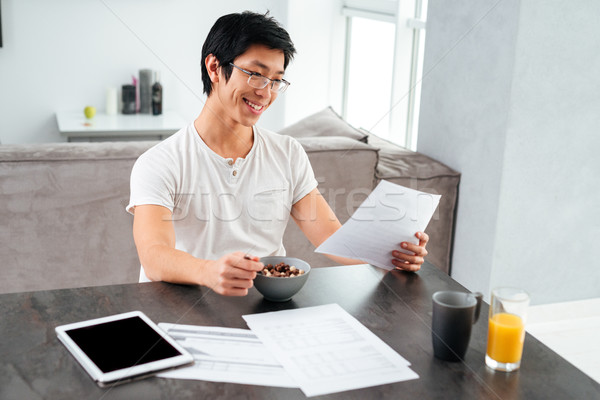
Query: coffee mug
pixel 454 314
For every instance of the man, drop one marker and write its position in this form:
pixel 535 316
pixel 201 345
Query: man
pixel 222 188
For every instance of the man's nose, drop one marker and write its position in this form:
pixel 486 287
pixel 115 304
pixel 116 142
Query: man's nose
pixel 264 92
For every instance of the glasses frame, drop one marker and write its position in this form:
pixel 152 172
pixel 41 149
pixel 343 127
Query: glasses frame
pixel 283 84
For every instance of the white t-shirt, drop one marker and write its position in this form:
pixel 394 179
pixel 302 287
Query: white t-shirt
pixel 220 206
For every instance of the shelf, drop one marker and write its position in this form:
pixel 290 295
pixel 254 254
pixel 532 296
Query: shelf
pixel 76 127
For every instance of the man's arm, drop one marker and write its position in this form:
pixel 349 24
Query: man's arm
pixel 318 221
pixel 154 238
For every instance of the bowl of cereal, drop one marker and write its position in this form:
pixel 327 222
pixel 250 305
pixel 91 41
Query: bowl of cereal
pixel 281 278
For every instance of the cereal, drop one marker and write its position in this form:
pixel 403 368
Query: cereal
pixel 281 270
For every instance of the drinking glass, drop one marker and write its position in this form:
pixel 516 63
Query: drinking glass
pixel 506 329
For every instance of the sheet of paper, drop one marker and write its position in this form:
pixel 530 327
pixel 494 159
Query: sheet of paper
pixel 226 355
pixel 326 350
pixel 391 214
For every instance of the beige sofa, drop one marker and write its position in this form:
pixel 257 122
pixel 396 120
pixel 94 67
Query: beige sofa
pixel 62 205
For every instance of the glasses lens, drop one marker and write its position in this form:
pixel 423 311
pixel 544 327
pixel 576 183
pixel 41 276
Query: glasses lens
pixel 261 82
pixel 279 86
pixel 258 82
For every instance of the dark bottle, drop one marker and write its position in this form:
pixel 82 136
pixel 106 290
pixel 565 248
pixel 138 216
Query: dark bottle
pixel 157 94
pixel 128 99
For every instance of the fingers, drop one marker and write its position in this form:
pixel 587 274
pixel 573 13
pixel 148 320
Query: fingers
pixel 245 262
pixel 405 265
pixel 234 273
pixel 414 257
pixel 416 249
pixel 404 258
pixel 238 273
pixel 242 266
pixel 229 285
pixel 423 238
pixel 249 257
pixel 231 291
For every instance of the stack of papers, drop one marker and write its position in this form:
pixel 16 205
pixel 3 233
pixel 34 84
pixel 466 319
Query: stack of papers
pixel 319 349
pixel 226 355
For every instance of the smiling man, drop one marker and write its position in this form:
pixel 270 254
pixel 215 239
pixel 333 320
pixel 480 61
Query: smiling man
pixel 222 188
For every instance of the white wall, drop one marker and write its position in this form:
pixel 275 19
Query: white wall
pixel 549 211
pixel 318 31
pixel 63 54
pixel 510 100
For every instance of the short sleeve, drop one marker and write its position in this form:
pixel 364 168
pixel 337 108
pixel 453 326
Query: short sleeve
pixel 151 182
pixel 303 176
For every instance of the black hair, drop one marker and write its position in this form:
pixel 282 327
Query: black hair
pixel 233 34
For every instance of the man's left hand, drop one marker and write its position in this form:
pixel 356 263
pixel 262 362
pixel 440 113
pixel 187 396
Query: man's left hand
pixel 413 261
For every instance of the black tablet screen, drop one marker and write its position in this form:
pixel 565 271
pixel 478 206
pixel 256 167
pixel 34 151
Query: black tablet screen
pixel 121 344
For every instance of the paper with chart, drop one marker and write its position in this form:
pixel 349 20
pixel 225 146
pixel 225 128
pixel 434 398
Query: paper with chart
pixel 226 355
pixel 326 350
pixel 391 214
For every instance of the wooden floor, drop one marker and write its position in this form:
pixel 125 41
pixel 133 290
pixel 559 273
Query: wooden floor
pixel 571 329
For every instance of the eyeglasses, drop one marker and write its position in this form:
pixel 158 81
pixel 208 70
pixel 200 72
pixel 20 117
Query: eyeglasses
pixel 258 81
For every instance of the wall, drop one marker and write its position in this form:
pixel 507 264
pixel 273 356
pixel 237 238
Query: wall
pixel 549 211
pixel 318 31
pixel 62 55
pixel 509 101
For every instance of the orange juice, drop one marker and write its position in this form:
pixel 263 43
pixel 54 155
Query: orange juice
pixel 506 335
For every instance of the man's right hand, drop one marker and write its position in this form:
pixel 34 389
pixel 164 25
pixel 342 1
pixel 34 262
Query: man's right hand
pixel 154 236
pixel 232 274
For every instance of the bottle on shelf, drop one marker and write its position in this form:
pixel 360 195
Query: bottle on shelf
pixel 128 99
pixel 157 95
pixel 145 83
pixel 111 101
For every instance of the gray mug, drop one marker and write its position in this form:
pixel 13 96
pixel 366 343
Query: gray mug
pixel 454 314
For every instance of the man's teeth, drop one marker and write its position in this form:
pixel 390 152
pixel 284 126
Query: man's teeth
pixel 255 106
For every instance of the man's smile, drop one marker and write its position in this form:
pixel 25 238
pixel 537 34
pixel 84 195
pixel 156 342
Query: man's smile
pixel 254 106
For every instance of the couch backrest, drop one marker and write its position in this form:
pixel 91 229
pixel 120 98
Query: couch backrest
pixel 62 208
pixel 63 219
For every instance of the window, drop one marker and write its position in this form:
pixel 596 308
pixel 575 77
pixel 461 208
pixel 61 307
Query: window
pixel 383 67
pixel 369 74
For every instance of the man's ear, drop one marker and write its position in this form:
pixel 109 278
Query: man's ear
pixel 212 66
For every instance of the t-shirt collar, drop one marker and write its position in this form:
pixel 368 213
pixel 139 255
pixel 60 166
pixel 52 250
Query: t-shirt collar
pixel 240 160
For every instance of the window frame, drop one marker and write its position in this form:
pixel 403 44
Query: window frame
pixel 406 15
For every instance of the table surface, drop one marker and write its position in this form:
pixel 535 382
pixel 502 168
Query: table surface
pixel 74 124
pixel 395 305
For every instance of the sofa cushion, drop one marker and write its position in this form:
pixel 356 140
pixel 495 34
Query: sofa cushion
pixel 396 161
pixel 324 123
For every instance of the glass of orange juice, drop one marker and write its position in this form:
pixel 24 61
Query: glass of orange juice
pixel 506 329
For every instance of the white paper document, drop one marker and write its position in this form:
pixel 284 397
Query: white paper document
pixel 226 355
pixel 326 350
pixel 391 214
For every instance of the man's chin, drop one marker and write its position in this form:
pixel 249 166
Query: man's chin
pixel 250 121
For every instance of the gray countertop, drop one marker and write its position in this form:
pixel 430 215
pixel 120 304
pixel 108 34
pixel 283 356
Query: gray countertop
pixel 396 306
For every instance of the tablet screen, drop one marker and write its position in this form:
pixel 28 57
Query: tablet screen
pixel 122 344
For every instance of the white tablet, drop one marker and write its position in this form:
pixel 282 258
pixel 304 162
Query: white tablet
pixel 122 347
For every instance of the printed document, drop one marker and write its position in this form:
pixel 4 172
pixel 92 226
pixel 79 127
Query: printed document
pixel 391 214
pixel 327 350
pixel 226 355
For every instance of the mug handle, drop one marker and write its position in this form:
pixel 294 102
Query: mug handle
pixel 479 298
